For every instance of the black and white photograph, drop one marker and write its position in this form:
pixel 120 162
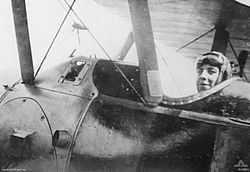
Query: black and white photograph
pixel 125 86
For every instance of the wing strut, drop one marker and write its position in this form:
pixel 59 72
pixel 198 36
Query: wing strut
pixel 144 40
pixel 23 41
pixel 221 38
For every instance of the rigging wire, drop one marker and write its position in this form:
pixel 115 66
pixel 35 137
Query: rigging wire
pixel 61 4
pixel 195 39
pixel 185 45
pixel 91 34
pixel 46 117
pixel 231 46
pixel 106 53
pixel 54 39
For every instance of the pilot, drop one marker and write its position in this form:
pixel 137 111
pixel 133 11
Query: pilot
pixel 212 68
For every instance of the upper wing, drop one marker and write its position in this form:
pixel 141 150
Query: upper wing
pixel 178 22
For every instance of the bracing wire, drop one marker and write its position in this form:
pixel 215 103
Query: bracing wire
pixel 185 45
pixel 54 38
pixel 195 39
pixel 91 34
pixel 233 50
pixel 106 53
pixel 46 117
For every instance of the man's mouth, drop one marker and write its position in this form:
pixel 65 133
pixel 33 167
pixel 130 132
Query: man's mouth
pixel 204 84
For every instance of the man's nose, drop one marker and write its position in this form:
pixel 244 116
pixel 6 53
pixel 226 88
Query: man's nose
pixel 204 75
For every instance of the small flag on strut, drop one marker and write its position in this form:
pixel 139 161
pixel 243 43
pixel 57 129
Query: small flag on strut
pixel 79 26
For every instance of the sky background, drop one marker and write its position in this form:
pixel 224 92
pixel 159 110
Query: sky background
pixel 44 18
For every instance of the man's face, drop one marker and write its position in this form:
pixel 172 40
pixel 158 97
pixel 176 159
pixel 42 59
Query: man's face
pixel 207 77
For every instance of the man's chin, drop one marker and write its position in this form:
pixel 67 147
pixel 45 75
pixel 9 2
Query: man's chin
pixel 203 87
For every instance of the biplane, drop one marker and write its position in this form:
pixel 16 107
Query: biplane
pixel 93 114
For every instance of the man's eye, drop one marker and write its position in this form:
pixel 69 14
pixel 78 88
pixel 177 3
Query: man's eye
pixel 199 71
pixel 211 71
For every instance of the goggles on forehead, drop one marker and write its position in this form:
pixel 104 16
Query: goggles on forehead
pixel 212 58
pixel 215 53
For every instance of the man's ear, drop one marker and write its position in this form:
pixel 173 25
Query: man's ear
pixel 220 78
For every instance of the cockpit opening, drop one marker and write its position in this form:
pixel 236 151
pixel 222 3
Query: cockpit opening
pixel 74 70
